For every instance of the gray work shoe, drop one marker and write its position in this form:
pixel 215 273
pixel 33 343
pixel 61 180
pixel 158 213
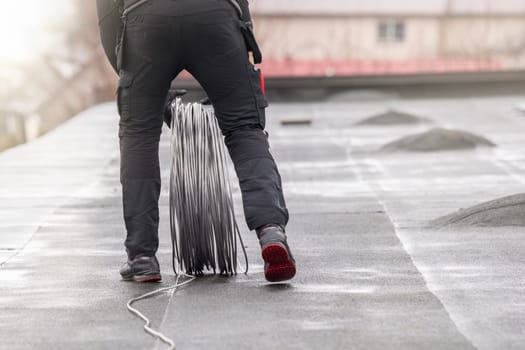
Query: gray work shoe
pixel 141 269
pixel 279 264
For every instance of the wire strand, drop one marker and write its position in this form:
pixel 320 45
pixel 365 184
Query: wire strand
pixel 147 323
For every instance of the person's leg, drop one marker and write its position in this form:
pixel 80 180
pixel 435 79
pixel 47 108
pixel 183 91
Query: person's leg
pixel 148 68
pixel 215 53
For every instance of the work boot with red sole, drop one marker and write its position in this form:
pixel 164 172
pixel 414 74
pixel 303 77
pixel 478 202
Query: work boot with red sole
pixel 279 264
pixel 141 269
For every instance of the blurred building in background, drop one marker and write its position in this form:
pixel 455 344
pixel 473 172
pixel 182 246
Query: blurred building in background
pixel 353 37
pixel 299 38
pixel 63 72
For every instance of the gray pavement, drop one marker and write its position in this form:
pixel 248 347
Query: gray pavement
pixel 372 273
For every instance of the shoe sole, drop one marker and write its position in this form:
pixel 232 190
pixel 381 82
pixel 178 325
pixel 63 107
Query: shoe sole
pixel 279 267
pixel 143 279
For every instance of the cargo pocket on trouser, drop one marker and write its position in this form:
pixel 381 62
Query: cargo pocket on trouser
pixel 260 98
pixel 123 94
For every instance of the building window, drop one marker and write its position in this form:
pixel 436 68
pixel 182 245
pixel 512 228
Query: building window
pixel 391 31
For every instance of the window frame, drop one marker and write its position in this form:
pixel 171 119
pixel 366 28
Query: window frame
pixel 391 31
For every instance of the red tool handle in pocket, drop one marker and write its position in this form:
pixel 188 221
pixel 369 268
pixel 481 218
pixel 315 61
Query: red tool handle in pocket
pixel 263 88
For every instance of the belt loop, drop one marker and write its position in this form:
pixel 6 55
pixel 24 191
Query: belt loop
pixel 237 7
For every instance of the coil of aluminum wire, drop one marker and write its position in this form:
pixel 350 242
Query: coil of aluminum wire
pixel 204 231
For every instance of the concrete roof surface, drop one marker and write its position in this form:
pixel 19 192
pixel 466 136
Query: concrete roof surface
pixel 372 274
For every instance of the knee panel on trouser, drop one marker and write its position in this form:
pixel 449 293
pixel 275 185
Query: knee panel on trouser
pixel 259 178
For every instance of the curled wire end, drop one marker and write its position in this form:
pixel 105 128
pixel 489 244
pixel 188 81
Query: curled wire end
pixel 147 323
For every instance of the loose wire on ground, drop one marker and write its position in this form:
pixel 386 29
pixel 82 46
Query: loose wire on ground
pixel 147 326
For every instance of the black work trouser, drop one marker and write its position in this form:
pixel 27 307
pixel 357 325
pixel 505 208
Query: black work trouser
pixel 202 36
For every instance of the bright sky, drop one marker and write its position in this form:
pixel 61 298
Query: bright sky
pixel 24 26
